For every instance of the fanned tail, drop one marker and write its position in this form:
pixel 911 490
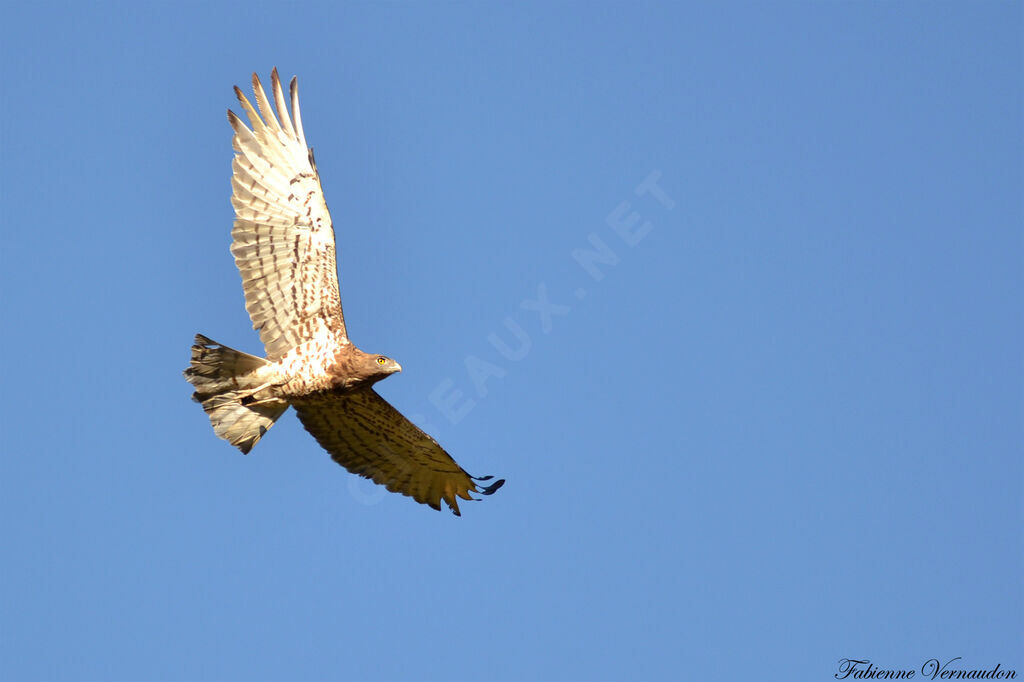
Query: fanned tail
pixel 232 387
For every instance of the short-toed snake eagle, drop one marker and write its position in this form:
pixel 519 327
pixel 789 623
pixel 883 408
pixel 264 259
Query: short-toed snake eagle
pixel 283 244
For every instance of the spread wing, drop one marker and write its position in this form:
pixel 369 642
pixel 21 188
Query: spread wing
pixel 369 437
pixel 283 236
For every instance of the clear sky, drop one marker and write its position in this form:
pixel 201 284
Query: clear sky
pixel 729 293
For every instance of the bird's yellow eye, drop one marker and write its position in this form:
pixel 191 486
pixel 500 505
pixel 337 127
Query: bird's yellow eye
pixel 382 361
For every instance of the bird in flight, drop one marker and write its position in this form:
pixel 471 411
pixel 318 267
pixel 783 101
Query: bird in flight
pixel 283 244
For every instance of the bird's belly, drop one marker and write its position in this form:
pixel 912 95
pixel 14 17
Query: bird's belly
pixel 305 369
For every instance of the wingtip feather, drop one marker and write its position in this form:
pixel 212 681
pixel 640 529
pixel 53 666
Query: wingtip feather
pixel 293 89
pixel 263 103
pixel 489 489
pixel 279 102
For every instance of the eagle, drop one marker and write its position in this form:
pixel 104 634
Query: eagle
pixel 283 245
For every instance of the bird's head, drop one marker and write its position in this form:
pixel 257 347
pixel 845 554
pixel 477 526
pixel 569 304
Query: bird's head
pixel 353 368
pixel 384 365
pixel 372 368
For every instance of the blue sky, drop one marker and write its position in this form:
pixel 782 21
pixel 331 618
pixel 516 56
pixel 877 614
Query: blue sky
pixel 779 426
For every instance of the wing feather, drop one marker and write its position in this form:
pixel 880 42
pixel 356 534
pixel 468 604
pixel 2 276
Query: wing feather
pixel 366 435
pixel 294 88
pixel 283 238
pixel 286 123
pixel 264 104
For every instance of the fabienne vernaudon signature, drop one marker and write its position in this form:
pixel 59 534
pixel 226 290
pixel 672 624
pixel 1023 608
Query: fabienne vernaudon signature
pixel 932 669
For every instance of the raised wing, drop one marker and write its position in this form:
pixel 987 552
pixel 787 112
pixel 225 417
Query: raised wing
pixel 369 437
pixel 283 236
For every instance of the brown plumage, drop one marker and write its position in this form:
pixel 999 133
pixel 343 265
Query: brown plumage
pixel 283 244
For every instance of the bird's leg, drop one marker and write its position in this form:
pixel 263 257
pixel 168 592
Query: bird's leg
pixel 253 391
pixel 247 397
pixel 249 402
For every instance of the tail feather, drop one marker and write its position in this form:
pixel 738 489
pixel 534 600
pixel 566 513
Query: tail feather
pixel 231 387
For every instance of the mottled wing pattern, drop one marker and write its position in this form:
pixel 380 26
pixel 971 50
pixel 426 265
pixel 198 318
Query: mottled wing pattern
pixel 283 236
pixel 369 437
